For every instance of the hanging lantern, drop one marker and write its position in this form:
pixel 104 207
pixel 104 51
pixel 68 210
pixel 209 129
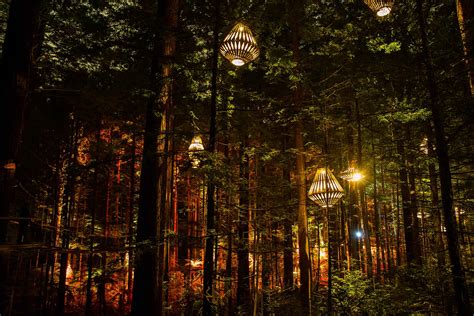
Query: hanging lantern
pixel 239 46
pixel 195 146
pixel 380 7
pixel 351 174
pixel 325 190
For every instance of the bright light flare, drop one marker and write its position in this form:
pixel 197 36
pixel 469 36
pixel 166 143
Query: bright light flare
pixel 238 62
pixel 357 176
pixel 383 11
pixel 358 234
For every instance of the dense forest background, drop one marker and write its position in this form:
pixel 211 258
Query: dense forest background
pixel 105 211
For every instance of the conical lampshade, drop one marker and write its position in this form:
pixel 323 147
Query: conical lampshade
pixel 380 7
pixel 325 190
pixel 239 46
pixel 196 144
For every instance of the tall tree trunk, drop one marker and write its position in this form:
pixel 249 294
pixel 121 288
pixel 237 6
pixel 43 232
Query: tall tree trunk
pixel 288 237
pixel 243 285
pixel 297 12
pixel 363 203
pixel 408 221
pixel 378 247
pixel 21 48
pixel 457 271
pixel 465 11
pixel 210 223
pixel 93 208
pixel 131 213
pixel 66 219
pixel 146 289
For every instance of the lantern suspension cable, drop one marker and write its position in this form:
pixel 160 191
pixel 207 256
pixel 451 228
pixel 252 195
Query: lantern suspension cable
pixel 380 7
pixel 240 46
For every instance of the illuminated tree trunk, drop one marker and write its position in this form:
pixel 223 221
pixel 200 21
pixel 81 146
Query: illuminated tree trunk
pixel 363 203
pixel 457 270
pixel 131 212
pixel 288 235
pixel 465 11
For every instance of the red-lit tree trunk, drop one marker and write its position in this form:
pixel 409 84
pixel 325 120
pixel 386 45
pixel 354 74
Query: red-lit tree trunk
pixel 457 270
pixel 288 237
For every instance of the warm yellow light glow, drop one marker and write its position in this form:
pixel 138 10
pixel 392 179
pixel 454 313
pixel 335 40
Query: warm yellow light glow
pixel 238 62
pixel 383 11
pixel 356 177
pixel 196 144
pixel 351 174
pixel 380 7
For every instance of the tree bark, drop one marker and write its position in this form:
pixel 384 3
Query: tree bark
pixel 457 270
pixel 210 223
pixel 465 11
pixel 297 9
pixel 288 239
pixel 147 290
pixel 21 48
pixel 408 220
pixel 243 284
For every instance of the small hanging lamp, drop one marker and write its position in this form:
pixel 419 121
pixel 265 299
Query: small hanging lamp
pixel 195 147
pixel 380 7
pixel 325 189
pixel 239 46
pixel 351 174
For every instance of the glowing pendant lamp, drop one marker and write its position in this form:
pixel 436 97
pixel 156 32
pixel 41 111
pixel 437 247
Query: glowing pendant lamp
pixel 351 174
pixel 380 7
pixel 239 46
pixel 195 147
pixel 325 190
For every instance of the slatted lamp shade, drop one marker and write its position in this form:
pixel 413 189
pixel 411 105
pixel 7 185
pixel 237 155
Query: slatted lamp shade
pixel 380 7
pixel 325 189
pixel 239 46
pixel 196 144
